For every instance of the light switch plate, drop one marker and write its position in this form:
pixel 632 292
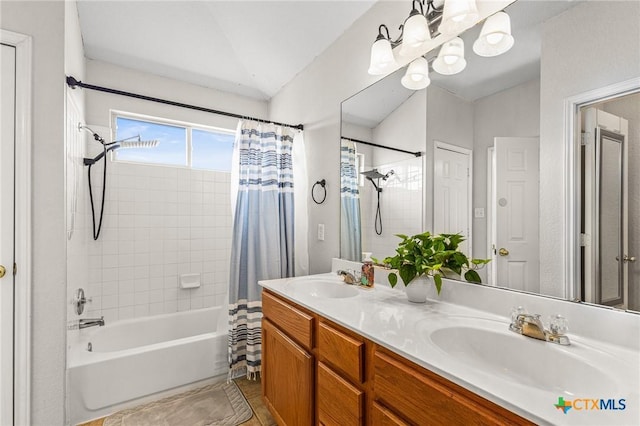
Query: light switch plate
pixel 478 212
pixel 321 232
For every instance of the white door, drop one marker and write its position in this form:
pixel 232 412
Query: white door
pixel 452 192
pixel 516 174
pixel 7 139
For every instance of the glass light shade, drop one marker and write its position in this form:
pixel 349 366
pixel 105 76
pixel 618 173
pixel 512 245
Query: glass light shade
pixel 495 37
pixel 416 32
pixel 382 60
pixel 417 75
pixel 458 15
pixel 450 59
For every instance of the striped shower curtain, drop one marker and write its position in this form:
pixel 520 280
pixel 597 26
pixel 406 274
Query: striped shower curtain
pixel 263 235
pixel 350 229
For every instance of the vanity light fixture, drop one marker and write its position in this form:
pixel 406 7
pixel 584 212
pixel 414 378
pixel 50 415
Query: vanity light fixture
pixel 453 16
pixel 415 30
pixel 450 60
pixel 458 15
pixel 382 60
pixel 417 75
pixel 495 37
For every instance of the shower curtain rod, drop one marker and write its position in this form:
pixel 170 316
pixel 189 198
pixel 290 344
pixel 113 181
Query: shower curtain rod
pixel 417 154
pixel 73 83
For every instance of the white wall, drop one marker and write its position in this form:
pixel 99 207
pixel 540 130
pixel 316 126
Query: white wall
pixel 313 97
pixel 569 68
pixel 45 22
pixel 512 112
pixel 104 74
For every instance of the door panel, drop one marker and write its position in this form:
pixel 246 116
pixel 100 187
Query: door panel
pixel 452 208
pixel 7 141
pixel 516 174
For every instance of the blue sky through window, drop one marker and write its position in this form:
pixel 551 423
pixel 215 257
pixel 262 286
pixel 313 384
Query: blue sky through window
pixel 171 149
pixel 210 150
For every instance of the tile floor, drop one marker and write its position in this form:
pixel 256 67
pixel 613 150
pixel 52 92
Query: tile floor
pixel 251 390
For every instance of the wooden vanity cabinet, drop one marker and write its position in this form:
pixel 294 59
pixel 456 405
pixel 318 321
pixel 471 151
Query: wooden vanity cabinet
pixel 315 372
pixel 288 364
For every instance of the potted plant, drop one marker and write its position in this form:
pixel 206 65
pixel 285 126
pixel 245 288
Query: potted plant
pixel 425 255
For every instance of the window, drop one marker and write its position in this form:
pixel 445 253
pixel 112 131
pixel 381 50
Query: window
pixel 179 144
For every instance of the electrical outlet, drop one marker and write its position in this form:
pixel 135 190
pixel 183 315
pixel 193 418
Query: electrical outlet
pixel 478 212
pixel 321 232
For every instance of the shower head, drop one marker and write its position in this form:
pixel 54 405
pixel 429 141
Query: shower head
pixel 372 174
pixel 139 144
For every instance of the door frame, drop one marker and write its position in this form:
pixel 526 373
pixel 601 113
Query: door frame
pixel 468 152
pixel 572 187
pixel 22 205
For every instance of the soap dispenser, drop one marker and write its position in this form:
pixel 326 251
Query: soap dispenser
pixel 367 270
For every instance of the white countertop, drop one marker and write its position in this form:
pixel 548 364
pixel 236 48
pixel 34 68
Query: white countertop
pixel 384 316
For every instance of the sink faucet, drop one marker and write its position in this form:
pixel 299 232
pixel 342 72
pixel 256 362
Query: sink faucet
pixel 90 322
pixel 530 325
pixel 348 277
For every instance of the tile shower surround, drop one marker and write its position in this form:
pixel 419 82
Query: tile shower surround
pixel 159 222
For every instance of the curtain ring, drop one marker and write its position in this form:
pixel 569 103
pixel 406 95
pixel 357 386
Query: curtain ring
pixel 323 184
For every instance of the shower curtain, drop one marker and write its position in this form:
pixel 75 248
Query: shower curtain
pixel 350 228
pixel 263 234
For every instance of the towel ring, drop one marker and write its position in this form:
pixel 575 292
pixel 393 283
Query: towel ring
pixel 323 184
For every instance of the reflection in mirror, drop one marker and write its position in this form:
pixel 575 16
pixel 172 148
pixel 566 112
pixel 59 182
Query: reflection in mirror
pixel 381 186
pixel 507 114
pixel 609 213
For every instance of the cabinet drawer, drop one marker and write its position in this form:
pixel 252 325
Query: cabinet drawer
pixel 341 351
pixel 339 402
pixel 297 324
pixel 426 398
pixel 381 416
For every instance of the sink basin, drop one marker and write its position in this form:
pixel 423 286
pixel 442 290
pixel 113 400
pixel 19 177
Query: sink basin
pixel 325 288
pixel 502 354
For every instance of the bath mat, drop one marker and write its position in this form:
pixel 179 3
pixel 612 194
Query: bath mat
pixel 217 404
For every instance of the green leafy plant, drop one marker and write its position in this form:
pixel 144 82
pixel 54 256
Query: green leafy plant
pixel 426 254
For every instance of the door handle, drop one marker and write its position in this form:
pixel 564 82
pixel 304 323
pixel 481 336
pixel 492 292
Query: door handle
pixel 628 258
pixel 3 271
pixel 503 252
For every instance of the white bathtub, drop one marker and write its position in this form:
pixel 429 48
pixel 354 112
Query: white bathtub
pixel 133 359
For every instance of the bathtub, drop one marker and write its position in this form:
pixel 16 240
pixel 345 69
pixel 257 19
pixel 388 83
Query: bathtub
pixel 133 359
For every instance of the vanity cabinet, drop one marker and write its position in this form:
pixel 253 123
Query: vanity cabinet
pixel 288 365
pixel 317 372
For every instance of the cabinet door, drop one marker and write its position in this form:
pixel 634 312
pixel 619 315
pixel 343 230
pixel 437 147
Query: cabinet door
pixel 339 402
pixel 287 377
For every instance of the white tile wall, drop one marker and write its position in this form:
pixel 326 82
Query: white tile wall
pixel 159 222
pixel 401 207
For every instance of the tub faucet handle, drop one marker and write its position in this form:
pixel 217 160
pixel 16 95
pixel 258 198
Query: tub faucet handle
pixel 80 300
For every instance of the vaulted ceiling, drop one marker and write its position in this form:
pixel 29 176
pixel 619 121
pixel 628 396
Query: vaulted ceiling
pixel 252 48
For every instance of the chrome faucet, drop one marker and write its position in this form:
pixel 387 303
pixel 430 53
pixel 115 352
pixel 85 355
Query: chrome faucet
pixel 530 325
pixel 90 322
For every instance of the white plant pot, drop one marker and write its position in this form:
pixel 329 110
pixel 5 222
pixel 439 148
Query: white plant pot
pixel 417 289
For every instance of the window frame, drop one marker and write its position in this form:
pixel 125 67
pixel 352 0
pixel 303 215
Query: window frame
pixel 188 126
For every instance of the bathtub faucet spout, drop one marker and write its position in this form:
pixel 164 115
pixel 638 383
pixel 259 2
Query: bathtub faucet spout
pixel 91 322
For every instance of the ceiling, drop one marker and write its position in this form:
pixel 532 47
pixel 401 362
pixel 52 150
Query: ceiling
pixel 252 48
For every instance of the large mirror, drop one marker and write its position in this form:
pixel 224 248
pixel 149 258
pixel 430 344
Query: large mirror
pixel 496 151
